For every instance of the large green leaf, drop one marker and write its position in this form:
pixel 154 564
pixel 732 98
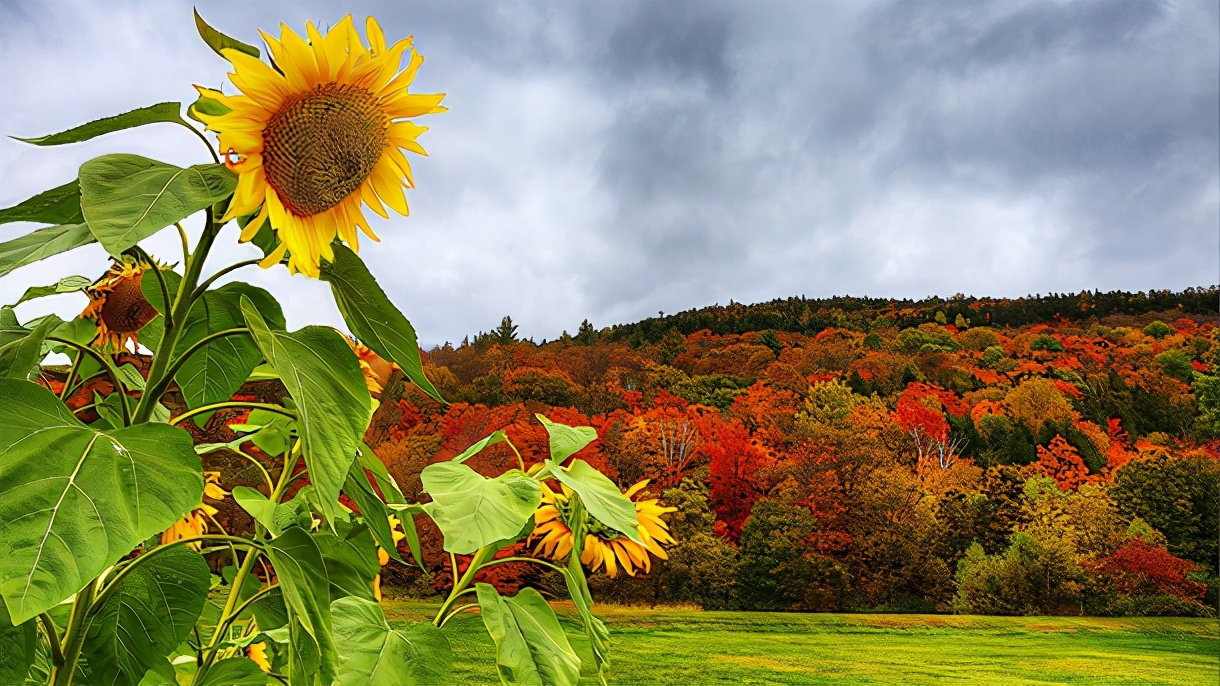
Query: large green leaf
pixel 17 645
pixel 600 496
pixel 215 372
pixel 531 648
pixel 68 284
pixel 233 671
pixel 19 359
pixel 566 440
pixel 372 510
pixel 127 198
pixel 473 510
pixel 301 571
pixel 323 376
pixel 373 318
pixel 165 112
pixel 495 437
pixel 150 612
pixel 351 560
pixel 257 506
pixel 219 41
pixel 373 653
pixel 41 244
pixel 73 500
pixel 60 205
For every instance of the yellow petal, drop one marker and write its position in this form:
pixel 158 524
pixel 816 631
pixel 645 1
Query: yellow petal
pixel 257 80
pixel 298 56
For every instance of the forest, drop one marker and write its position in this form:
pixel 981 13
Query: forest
pixel 899 457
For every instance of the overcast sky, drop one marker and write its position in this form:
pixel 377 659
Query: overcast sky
pixel 609 160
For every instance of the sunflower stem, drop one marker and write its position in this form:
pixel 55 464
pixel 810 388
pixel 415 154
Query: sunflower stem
pixel 74 636
pixel 476 563
pixel 109 367
pixel 212 279
pixel 197 345
pixel 64 392
pixel 57 655
pixel 207 143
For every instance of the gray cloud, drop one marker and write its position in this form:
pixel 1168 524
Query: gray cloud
pixel 609 160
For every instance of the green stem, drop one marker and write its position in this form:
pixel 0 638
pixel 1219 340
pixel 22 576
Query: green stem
pixel 212 279
pixel 544 563
pixel 203 138
pixel 233 403
pixel 64 392
pixel 228 621
pixel 476 563
pixel 257 463
pixel 456 611
pixel 108 366
pixel 57 655
pixel 156 270
pixel 186 244
pixel 77 386
pixel 158 380
pixel 74 636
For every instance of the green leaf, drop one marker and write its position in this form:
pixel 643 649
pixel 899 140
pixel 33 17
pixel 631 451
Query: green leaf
pixel 233 671
pixel 600 496
pixel 73 500
pixel 60 205
pixel 373 318
pixel 257 506
pixel 595 629
pixel 531 647
pixel 41 244
pixel 165 112
pixel 306 587
pixel 270 611
pixel 205 105
pixel 372 510
pixel 566 440
pixel 214 373
pixel 218 41
pixel 131 377
pixel 19 359
pixel 472 510
pixel 385 481
pixel 127 198
pixel 150 612
pixel 323 376
pixel 68 284
pixel 272 433
pixel 494 438
pixel 351 560
pixel 376 654
pixel 17 645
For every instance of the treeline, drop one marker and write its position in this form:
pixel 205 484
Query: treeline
pixel 811 315
pixel 1066 467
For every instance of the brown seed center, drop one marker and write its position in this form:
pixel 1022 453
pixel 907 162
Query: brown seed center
pixel 126 310
pixel 322 145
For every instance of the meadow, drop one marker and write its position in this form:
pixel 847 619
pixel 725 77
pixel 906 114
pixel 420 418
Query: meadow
pixel 667 646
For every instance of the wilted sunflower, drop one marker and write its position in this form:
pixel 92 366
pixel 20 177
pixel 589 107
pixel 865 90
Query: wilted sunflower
pixel 317 134
pixel 195 523
pixel 117 304
pixel 604 547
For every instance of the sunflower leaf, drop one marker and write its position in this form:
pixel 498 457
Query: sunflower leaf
pixel 127 198
pixel 150 612
pixel 19 359
pixel 600 497
pixel 373 652
pixel 68 284
pixel 165 112
pixel 373 318
pixel 303 578
pixel 472 510
pixel 566 440
pixel 60 205
pixel 42 244
pixel 218 41
pixel 17 647
pixel 62 481
pixel 531 646
pixel 323 376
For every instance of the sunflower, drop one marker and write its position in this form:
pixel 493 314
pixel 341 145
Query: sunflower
pixel 257 652
pixel 195 523
pixel 604 547
pixel 318 133
pixel 383 558
pixel 376 369
pixel 117 304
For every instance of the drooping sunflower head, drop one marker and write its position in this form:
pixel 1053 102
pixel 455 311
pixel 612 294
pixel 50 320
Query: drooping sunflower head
pixel 195 523
pixel 603 546
pixel 318 134
pixel 118 305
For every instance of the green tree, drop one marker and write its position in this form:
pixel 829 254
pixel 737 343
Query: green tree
pixel 1179 495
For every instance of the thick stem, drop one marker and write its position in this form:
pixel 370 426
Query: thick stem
pixel 74 637
pixel 476 563
pixel 57 655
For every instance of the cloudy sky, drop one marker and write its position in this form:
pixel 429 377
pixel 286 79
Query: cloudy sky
pixel 615 159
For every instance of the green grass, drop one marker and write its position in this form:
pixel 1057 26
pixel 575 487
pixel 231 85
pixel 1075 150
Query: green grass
pixel 681 646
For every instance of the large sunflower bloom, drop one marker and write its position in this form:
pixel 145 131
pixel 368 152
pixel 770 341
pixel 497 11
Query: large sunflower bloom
pixel 317 134
pixel 604 547
pixel 195 523
pixel 117 304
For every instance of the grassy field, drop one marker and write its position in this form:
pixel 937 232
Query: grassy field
pixel 678 646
